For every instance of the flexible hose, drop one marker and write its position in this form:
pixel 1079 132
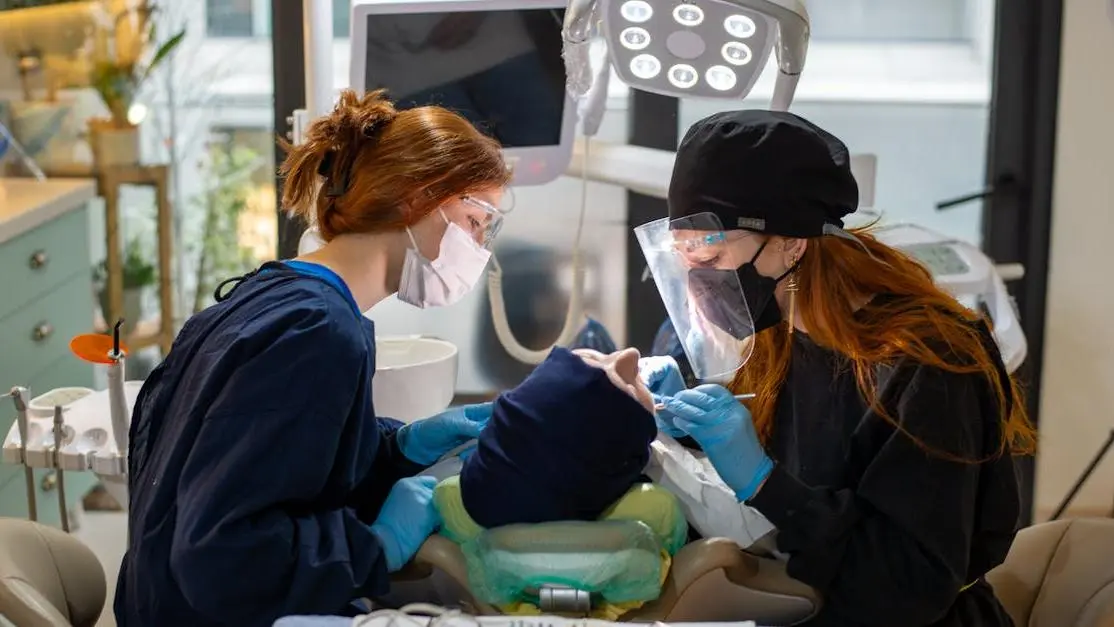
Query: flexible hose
pixel 574 318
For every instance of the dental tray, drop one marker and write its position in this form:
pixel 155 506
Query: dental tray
pixel 88 444
pixel 43 406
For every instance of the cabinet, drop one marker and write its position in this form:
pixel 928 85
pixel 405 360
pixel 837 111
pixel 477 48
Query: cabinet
pixel 45 271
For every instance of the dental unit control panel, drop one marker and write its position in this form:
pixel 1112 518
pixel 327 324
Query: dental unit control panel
pixel 970 276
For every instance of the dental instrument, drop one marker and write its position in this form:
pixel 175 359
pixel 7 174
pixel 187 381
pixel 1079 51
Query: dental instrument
pixel 738 397
pixel 19 397
pixel 108 351
pixel 59 438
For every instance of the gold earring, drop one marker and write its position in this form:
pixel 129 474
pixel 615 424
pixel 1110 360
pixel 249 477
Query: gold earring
pixel 792 287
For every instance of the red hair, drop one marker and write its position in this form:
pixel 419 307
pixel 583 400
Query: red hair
pixel 834 275
pixel 399 165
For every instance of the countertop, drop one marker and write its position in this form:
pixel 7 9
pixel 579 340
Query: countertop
pixel 26 203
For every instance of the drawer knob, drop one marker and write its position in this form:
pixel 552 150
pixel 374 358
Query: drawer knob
pixel 38 260
pixel 49 482
pixel 42 331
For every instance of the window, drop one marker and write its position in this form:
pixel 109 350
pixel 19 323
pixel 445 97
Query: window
pixel 238 18
pixel 342 18
pixel 890 20
pixel 229 18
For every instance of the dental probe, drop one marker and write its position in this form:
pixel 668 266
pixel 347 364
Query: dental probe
pixel 738 397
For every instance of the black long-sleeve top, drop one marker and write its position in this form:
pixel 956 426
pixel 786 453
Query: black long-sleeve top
pixel 890 534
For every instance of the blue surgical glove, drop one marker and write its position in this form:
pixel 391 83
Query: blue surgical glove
pixel 725 430
pixel 406 519
pixel 663 377
pixel 426 441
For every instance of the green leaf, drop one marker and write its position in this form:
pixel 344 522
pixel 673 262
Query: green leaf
pixel 163 51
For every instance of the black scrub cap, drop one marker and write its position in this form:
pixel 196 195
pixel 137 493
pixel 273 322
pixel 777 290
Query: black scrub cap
pixel 766 171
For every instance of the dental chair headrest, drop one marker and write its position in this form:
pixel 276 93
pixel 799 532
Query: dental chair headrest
pixel 563 445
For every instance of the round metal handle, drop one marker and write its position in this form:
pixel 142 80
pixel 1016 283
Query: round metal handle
pixel 42 331
pixel 50 481
pixel 38 260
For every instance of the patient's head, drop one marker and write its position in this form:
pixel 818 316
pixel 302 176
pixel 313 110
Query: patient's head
pixel 565 444
pixel 622 369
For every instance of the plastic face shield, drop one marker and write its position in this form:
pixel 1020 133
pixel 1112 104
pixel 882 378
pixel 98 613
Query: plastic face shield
pixel 693 261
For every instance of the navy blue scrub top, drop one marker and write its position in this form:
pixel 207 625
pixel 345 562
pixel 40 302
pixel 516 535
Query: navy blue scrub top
pixel 256 461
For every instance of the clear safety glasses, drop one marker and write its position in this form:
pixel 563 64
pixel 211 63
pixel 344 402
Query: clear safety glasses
pixel 721 250
pixel 485 223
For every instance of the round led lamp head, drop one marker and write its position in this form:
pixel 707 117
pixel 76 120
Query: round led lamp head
pixel 683 76
pixel 737 53
pixel 688 15
pixel 637 11
pixel 645 66
pixel 740 26
pixel 721 78
pixel 634 38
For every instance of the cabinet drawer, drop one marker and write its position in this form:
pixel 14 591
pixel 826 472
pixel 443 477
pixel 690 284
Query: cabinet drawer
pixel 38 261
pixel 13 496
pixel 39 334
pixel 68 371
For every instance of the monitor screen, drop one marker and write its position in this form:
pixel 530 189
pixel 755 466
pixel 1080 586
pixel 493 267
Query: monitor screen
pixel 500 69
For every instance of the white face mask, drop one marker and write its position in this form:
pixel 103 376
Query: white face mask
pixel 446 280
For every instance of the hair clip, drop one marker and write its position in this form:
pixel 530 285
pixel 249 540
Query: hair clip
pixel 327 163
pixel 373 129
pixel 337 185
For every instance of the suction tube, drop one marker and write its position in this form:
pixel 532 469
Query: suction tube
pixel 589 90
pixel 574 318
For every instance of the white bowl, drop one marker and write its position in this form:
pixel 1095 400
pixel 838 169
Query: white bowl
pixel 415 377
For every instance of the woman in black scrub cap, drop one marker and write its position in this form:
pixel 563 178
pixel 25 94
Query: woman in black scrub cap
pixel 881 437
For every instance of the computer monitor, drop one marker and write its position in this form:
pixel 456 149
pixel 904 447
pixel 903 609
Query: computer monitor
pixel 496 62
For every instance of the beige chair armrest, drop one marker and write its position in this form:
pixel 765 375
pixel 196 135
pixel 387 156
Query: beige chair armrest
pixel 48 577
pixel 761 584
pixel 440 553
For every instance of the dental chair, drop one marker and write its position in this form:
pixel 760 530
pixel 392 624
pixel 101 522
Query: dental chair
pixel 711 580
pixel 47 577
pixel 1059 574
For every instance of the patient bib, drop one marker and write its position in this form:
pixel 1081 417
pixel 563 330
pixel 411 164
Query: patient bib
pixel 710 506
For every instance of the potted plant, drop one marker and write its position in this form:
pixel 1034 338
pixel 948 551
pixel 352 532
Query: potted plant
pixel 138 274
pixel 125 54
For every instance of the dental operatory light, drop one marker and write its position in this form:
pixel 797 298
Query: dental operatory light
pixel 713 48
pixel 693 48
